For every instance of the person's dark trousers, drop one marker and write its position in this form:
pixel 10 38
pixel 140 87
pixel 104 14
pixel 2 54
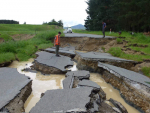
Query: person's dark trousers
pixel 103 33
pixel 57 50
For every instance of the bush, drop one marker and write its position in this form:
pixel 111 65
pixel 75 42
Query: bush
pixel 146 71
pixel 119 41
pixel 44 46
pixel 6 57
pixel 115 51
pixel 22 57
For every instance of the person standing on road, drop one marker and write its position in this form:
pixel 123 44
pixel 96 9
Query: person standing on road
pixel 57 43
pixel 103 29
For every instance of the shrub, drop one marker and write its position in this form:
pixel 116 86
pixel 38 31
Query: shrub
pixel 115 51
pixel 119 40
pixel 22 57
pixel 146 71
pixel 6 57
pixel 44 46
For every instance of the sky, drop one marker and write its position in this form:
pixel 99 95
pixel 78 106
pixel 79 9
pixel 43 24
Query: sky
pixel 71 12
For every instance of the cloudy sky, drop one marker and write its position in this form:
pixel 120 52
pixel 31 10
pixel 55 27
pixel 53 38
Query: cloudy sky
pixel 71 12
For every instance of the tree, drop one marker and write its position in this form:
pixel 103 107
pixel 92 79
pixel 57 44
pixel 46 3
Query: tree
pixel 53 22
pixel 130 15
pixel 8 22
pixel 60 23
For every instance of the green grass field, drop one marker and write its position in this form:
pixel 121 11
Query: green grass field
pixel 7 30
pixel 25 49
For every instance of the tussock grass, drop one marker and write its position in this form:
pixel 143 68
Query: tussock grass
pixel 146 71
pixel 117 52
pixel 6 57
pixel 44 46
pixel 119 40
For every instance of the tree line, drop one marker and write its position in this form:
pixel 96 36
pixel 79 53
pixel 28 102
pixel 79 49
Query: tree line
pixel 128 15
pixel 54 22
pixel 8 22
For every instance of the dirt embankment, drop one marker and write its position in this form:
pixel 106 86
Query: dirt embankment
pixel 85 44
pixel 103 45
pixel 1 40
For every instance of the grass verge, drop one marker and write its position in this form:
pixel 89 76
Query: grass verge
pixel 6 57
pixel 25 49
pixel 146 71
pixel 117 52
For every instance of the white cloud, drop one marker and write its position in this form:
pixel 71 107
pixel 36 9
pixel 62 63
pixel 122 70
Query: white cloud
pixel 71 12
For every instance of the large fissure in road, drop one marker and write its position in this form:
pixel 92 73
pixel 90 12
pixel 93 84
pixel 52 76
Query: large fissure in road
pixel 83 79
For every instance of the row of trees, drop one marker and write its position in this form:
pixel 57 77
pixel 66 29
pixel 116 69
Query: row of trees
pixel 54 22
pixel 8 22
pixel 129 15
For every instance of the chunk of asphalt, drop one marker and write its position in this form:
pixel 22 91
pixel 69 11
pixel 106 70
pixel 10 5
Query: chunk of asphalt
pixel 88 83
pixel 101 57
pixel 118 105
pixel 62 50
pixel 51 60
pixel 121 72
pixel 68 82
pixel 79 74
pixel 63 100
pixel 11 83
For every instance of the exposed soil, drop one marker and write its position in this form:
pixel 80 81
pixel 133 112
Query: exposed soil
pixel 139 98
pixel 1 40
pixel 5 64
pixel 114 44
pixel 130 51
pixel 85 44
pixel 22 36
pixel 138 67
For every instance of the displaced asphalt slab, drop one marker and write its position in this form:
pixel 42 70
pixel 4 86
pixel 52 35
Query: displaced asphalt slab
pixel 11 83
pixel 88 83
pixel 101 57
pixel 51 60
pixel 125 73
pixel 62 100
pixel 68 82
pixel 81 74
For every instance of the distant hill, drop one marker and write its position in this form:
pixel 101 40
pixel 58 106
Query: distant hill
pixel 79 26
